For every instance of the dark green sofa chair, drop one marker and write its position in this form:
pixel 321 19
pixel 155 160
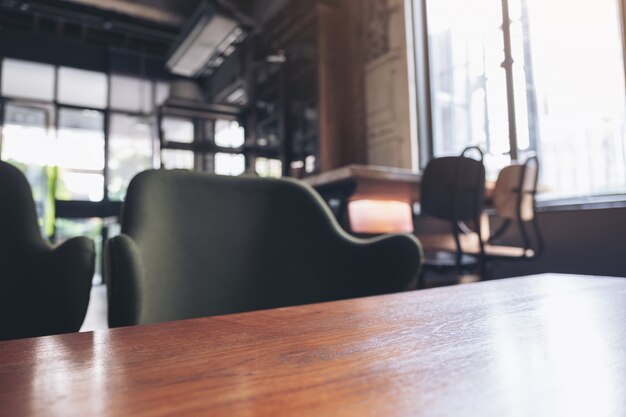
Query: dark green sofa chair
pixel 43 290
pixel 196 245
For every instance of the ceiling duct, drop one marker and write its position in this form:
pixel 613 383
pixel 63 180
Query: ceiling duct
pixel 207 39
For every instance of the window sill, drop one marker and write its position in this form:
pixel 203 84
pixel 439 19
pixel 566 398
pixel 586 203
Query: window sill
pixel 583 203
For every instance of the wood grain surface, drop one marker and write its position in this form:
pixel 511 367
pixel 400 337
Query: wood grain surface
pixel 538 346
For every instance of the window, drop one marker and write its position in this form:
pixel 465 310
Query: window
pixel 162 92
pixel 228 134
pixel 82 88
pixel 229 164
pixel 130 151
pixel 567 95
pixel 80 155
pixel 29 80
pixel 570 82
pixel 53 129
pixel 176 129
pixel 468 86
pixel 131 94
pixel 177 159
pixel 266 167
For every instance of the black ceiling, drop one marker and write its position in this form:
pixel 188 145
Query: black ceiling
pixel 150 26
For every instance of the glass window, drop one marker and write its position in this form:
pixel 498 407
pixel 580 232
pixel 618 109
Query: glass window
pixel 131 94
pixel 177 159
pixel 266 167
pixel 229 164
pixel 82 88
pixel 162 92
pixel 176 129
pixel 130 151
pixel 309 164
pixel 570 84
pixel 229 134
pixel 80 155
pixel 468 86
pixel 25 136
pixel 27 80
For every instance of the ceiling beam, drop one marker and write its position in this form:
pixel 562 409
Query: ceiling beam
pixel 138 10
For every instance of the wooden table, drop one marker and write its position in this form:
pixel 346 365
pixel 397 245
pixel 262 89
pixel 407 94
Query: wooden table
pixel 364 182
pixel 538 346
pixel 368 182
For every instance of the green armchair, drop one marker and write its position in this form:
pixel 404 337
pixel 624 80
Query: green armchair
pixel 43 289
pixel 196 245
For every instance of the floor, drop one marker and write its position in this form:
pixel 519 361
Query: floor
pixel 96 318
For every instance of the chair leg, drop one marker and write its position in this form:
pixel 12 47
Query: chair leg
pixel 487 271
pixel 482 265
pixel 421 280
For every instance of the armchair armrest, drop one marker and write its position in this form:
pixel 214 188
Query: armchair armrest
pixel 73 263
pixel 384 264
pixel 122 273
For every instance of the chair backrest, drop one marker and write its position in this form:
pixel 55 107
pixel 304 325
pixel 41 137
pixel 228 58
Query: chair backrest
pixel 18 216
pixel 515 189
pixel 453 188
pixel 208 245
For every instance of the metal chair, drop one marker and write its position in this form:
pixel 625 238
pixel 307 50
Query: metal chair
pixel 453 189
pixel 514 206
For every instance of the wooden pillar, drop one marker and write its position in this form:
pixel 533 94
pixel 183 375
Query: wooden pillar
pixel 342 138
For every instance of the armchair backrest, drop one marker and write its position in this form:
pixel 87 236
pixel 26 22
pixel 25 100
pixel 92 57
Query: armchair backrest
pixel 18 216
pixel 195 245
pixel 43 290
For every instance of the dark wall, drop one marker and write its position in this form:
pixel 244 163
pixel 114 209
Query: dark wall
pixel 51 50
pixel 58 50
pixel 590 241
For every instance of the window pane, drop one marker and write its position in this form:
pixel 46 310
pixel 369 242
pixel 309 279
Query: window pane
pixel 177 129
pixel 177 159
pixel 574 82
pixel 131 93
pixel 266 167
pixel 467 82
pixel 229 164
pixel 27 79
pixel 228 134
pixel 162 92
pixel 80 155
pixel 82 88
pixel 26 143
pixel 25 135
pixel 130 151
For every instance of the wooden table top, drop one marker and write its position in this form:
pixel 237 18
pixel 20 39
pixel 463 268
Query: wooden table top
pixel 538 346
pixel 363 172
